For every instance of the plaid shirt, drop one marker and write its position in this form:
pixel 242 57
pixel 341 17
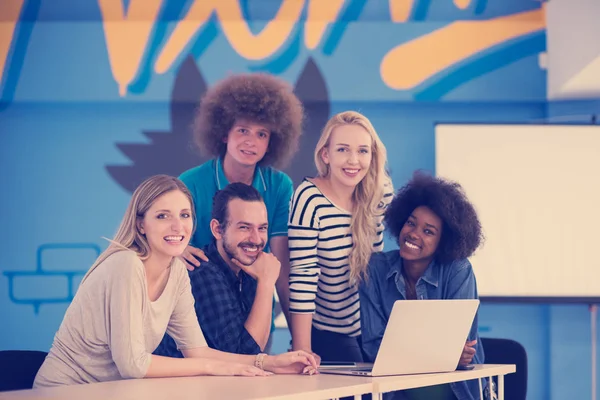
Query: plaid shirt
pixel 223 304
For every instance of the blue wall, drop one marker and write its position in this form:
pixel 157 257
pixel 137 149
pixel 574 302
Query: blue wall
pixel 72 145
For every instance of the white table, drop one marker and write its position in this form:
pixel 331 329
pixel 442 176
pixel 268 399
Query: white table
pixel 280 387
pixel 276 387
pixel 401 382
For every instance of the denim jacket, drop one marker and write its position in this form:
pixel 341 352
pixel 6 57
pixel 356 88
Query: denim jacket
pixel 385 284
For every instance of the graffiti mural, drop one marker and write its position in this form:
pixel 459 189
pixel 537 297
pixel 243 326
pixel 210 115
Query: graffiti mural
pixel 455 40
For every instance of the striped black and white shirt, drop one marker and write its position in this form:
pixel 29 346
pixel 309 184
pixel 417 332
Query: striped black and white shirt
pixel 320 241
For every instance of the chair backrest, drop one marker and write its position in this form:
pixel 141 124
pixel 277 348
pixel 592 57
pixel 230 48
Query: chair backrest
pixel 506 351
pixel 19 368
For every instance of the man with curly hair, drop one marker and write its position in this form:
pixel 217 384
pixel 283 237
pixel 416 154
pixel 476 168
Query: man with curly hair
pixel 250 124
pixel 437 229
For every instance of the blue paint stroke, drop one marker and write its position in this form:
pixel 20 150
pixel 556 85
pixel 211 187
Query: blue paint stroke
pixel 420 10
pixel 245 6
pixel 480 6
pixel 205 38
pixel 157 37
pixel 472 68
pixel 16 57
pixel 351 13
pixel 126 5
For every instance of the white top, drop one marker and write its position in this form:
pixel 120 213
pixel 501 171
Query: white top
pixel 111 327
pixel 320 241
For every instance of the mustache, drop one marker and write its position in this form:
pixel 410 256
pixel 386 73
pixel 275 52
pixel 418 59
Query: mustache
pixel 250 244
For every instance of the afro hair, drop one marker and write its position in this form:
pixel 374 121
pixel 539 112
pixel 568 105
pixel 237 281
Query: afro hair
pixel 259 98
pixel 461 229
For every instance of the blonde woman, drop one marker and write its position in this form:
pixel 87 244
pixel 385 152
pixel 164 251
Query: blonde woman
pixel 136 290
pixel 335 225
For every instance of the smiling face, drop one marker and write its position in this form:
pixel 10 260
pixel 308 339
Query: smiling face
pixel 168 225
pixel 247 142
pixel 245 233
pixel 420 235
pixel 348 154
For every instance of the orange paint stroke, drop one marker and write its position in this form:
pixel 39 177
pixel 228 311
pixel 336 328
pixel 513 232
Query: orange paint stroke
pixel 127 36
pixel 413 62
pixel 400 10
pixel 269 40
pixel 197 15
pixel 462 4
pixel 10 11
pixel 320 14
pixel 235 29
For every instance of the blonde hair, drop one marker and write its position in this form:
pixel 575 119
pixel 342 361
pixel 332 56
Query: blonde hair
pixel 367 195
pixel 128 236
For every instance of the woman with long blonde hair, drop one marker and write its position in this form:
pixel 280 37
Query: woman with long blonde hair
pixel 335 225
pixel 137 290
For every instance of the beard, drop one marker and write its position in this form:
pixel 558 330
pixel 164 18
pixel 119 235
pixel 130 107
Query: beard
pixel 235 251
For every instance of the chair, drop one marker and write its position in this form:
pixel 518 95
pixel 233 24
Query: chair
pixel 506 351
pixel 19 368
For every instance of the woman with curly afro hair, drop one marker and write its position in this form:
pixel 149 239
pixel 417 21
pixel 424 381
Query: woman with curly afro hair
pixel 250 124
pixel 437 229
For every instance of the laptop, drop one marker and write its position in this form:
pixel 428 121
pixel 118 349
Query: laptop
pixel 422 336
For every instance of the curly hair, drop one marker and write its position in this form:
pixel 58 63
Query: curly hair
pixel 461 229
pixel 258 98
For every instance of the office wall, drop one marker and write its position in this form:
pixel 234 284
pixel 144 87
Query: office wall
pixel 573 70
pixel 96 96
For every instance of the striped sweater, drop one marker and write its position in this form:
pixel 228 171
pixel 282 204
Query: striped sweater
pixel 320 242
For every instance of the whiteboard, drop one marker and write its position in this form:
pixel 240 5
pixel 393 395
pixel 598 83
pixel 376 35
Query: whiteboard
pixel 536 189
